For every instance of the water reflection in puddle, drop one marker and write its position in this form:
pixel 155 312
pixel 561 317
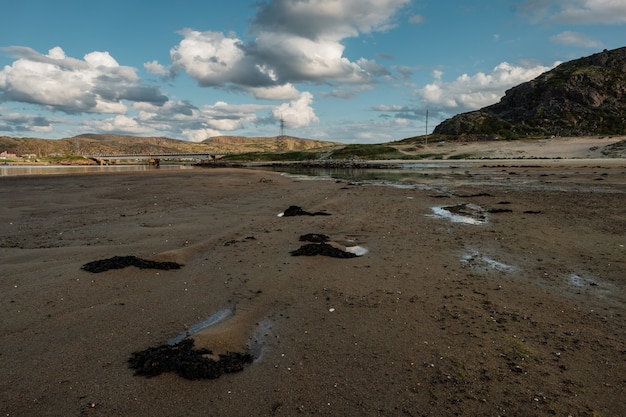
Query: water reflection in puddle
pixel 461 213
pixel 357 250
pixel 584 285
pixel 478 260
pixel 209 321
pixel 257 341
pixel 578 281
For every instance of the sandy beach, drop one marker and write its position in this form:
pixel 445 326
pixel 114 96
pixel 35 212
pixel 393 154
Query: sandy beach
pixel 485 290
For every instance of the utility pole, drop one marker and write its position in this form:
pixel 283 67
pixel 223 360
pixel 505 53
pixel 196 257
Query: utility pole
pixel 426 126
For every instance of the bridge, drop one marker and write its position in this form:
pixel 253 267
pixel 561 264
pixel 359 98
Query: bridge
pixel 153 158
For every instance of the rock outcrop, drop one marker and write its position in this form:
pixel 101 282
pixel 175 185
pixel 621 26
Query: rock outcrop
pixel 582 97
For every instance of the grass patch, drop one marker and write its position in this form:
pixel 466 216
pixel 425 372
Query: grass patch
pixel 462 156
pixel 273 156
pixel 518 351
pixel 367 152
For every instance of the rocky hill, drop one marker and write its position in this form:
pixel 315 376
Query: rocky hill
pixel 120 144
pixel 583 97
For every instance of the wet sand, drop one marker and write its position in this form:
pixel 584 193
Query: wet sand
pixel 521 314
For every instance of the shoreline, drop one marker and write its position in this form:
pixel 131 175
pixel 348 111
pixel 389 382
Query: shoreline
pixel 400 163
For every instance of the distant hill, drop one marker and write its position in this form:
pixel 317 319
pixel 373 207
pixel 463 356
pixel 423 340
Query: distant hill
pixel 120 144
pixel 263 144
pixel 583 97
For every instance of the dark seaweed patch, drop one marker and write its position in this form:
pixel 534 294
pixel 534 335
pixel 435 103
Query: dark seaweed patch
pixel 119 262
pixel 500 210
pixel 474 195
pixel 324 249
pixel 186 361
pixel 298 211
pixel 314 237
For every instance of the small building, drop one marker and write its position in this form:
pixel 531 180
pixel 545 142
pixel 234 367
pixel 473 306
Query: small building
pixel 8 155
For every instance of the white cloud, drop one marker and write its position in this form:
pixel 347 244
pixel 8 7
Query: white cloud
pixel 154 67
pixel 20 122
pixel 96 84
pixel 326 19
pixel 593 11
pixel 576 39
pixel 299 59
pixel 576 11
pixel 280 92
pixel 209 57
pixel 294 41
pixel 200 134
pixel 471 92
pixel 120 123
pixel 297 113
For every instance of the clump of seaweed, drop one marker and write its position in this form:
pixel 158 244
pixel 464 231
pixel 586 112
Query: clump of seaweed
pixel 189 363
pixel 119 262
pixel 314 237
pixel 298 211
pixel 313 249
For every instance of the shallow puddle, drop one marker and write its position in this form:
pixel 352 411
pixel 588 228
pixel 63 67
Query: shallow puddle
pixel 257 342
pixel 585 285
pixel 209 321
pixel 257 339
pixel 478 260
pixel 578 281
pixel 465 213
pixel 357 250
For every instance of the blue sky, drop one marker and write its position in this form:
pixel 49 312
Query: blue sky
pixel 355 71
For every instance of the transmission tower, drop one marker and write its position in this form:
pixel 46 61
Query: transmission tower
pixel 282 127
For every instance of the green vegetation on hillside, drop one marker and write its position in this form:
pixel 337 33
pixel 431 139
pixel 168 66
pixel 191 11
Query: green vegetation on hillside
pixel 367 152
pixel 349 152
pixel 271 156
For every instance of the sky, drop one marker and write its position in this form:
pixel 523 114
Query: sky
pixel 352 71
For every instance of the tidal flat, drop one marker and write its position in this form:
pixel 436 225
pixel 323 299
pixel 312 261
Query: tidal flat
pixel 520 314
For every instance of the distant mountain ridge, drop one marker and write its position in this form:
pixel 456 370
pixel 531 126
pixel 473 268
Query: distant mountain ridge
pixel 124 144
pixel 583 97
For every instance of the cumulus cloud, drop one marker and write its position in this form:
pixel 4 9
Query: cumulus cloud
pixel 293 41
pixel 325 19
pixel 178 119
pixel 19 122
pixel 120 123
pixel 154 67
pixel 95 84
pixel 211 58
pixel 471 92
pixel 576 39
pixel 280 92
pixel 183 119
pixel 575 11
pixel 297 113
pixel 198 135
